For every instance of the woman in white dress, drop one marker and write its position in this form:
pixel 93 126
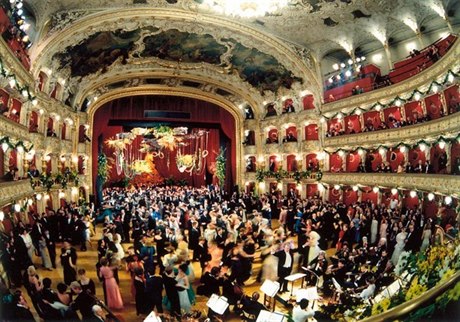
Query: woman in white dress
pixel 383 228
pixel 120 254
pixel 400 243
pixel 374 229
pixel 182 287
pixel 426 238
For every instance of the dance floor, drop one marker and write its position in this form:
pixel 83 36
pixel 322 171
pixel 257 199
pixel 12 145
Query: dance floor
pixel 87 260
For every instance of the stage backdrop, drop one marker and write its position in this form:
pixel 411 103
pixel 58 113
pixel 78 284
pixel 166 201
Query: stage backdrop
pixel 123 114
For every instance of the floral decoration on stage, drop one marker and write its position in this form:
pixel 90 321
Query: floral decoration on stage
pixel 190 147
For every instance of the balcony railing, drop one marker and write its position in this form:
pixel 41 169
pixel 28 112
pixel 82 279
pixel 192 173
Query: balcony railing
pixel 441 183
pixel 14 190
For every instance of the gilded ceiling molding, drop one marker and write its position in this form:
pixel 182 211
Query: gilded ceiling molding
pixel 135 74
pixel 294 59
pixel 411 133
pixel 174 91
pixel 449 61
pixel 437 183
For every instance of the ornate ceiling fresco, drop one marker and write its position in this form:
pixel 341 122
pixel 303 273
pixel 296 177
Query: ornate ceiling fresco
pixel 102 49
pixel 268 56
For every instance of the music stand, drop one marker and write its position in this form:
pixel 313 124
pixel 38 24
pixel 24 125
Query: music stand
pixel 267 316
pixel 312 272
pixel 270 288
pixel 338 288
pixel 152 317
pixel 294 277
pixel 217 304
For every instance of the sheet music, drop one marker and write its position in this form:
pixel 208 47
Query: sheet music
pixel 270 288
pixel 218 304
pixel 267 316
pixel 295 277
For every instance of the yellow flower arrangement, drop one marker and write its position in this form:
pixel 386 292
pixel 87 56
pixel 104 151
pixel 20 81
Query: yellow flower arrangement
pixel 415 289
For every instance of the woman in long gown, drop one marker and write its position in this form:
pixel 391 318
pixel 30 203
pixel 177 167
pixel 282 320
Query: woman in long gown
pixel 69 262
pixel 182 287
pixel 374 229
pixel 400 243
pixel 114 300
pixel 426 237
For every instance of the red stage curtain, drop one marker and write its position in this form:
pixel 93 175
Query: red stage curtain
pixel 352 124
pixel 308 102
pixel 292 129
pixel 353 160
pixel 413 110
pixel 349 196
pixel 416 155
pixel 372 117
pixel 334 195
pixel 335 162
pixel 312 190
pixel 433 106
pixel 393 111
pixel 132 109
pixel 311 132
pixel 291 163
pixel 452 98
pixel 395 158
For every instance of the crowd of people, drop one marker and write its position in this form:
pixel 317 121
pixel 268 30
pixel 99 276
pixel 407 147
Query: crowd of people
pixel 156 233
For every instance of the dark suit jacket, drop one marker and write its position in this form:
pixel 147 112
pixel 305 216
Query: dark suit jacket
pixel 282 259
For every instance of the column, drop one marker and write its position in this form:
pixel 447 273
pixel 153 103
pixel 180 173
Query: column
pixel 56 201
pixel 444 106
pixel 386 48
pixel 360 195
pixel 423 105
pixel 20 156
pixel 448 148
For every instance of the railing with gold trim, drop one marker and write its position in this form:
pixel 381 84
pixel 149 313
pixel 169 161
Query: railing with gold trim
pixel 444 184
pixel 14 190
pixel 448 61
pixel 440 126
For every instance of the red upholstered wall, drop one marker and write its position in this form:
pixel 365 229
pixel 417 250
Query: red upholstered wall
pixel 352 124
pixel 334 195
pixel 454 153
pixel 308 102
pixel 413 110
pixel 311 157
pixel 291 162
pixel 272 159
pixel 349 196
pixel 132 109
pixel 435 154
pixel 452 97
pixel 312 190
pixel 372 117
pixel 433 106
pixel 334 124
pixel 311 132
pixel 415 155
pixel 335 161
pixel 392 111
pixel 293 130
pixel 395 158
pixel 353 160
pixel 376 160
pixel 273 134
pixel 369 195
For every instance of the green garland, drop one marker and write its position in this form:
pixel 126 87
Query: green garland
pixel 298 176
pixel 48 181
pixel 103 168
pixel 221 167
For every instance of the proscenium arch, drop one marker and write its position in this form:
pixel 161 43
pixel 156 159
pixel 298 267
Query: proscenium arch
pixel 153 90
pixel 135 17
pixel 239 93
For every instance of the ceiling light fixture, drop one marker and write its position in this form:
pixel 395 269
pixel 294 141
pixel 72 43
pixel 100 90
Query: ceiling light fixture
pixel 246 8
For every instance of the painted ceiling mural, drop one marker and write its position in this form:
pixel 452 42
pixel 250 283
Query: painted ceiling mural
pixel 99 51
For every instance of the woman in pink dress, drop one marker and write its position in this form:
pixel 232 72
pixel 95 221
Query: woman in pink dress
pixel 114 300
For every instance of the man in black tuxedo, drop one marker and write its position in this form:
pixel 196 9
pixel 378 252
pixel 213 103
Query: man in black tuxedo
pixel 170 282
pixel 83 302
pixel 412 240
pixel 201 253
pixel 285 263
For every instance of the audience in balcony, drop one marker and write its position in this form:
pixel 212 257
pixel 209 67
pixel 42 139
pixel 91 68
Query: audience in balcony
pixel 289 137
pixel 357 90
pixel 248 113
pixel 11 175
pixel 250 165
pixel 33 172
pixel 273 138
pixel 50 132
pixel 289 107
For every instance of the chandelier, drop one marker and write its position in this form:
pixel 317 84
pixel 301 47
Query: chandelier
pixel 246 8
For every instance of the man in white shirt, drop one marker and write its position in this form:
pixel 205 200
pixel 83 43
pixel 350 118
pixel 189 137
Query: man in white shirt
pixel 301 312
